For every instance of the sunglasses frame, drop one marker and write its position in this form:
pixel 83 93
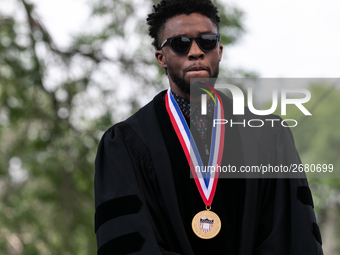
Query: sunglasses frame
pixel 218 36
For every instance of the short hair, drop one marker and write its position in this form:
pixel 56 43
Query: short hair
pixel 167 9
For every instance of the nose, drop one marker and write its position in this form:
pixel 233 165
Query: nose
pixel 195 51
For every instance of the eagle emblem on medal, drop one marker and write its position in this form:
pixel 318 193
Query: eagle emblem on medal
pixel 206 224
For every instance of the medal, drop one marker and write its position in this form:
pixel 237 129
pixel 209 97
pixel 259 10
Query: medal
pixel 205 224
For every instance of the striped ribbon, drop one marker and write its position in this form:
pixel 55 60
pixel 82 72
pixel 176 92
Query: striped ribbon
pixel 206 182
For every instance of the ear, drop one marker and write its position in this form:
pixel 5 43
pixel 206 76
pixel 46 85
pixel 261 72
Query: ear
pixel 220 48
pixel 159 54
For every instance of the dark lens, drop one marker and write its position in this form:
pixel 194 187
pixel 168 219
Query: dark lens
pixel 207 42
pixel 180 44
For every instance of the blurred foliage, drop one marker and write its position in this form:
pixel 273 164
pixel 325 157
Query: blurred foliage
pixel 46 172
pixel 55 103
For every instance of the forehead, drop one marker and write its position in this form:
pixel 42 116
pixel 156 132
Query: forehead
pixel 189 25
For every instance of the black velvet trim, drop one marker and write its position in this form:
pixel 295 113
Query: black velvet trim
pixel 116 207
pixel 136 144
pixel 305 196
pixel 267 143
pixel 121 245
pixel 316 232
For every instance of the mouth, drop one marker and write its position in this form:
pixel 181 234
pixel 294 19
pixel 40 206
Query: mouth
pixel 196 69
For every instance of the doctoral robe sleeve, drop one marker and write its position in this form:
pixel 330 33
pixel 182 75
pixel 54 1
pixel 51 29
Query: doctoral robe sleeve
pixel 123 223
pixel 287 216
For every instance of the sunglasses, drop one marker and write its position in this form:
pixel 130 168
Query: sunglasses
pixel 181 44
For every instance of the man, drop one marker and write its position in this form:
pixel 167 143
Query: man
pixel 145 198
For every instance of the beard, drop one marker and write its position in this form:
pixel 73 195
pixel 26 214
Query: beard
pixel 183 85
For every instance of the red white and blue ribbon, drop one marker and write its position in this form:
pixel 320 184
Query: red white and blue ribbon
pixel 206 181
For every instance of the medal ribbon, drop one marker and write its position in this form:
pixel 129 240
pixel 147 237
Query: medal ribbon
pixel 206 182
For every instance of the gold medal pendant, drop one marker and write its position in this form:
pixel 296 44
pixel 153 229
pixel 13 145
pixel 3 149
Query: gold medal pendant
pixel 206 224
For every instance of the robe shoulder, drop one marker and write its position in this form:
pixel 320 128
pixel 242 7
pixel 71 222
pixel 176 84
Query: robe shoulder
pixel 124 179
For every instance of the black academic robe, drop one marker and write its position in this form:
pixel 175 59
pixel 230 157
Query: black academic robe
pixel 145 199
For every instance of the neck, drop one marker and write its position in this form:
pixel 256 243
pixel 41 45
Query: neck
pixel 179 92
pixel 183 95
